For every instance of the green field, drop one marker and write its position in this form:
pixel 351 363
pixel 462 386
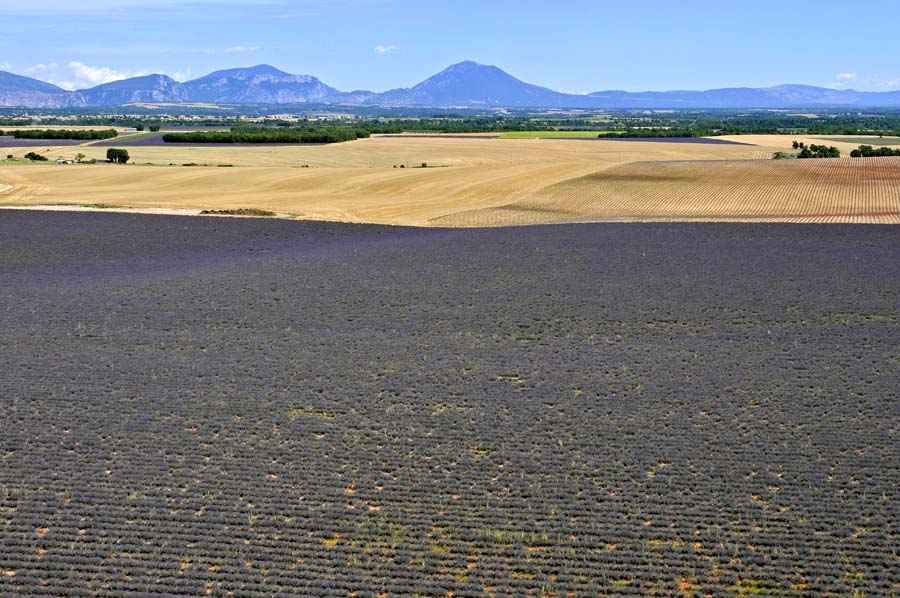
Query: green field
pixel 873 141
pixel 552 134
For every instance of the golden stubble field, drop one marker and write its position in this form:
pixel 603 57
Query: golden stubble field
pixel 468 182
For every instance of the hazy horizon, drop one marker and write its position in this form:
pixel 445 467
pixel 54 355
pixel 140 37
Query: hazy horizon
pixel 384 44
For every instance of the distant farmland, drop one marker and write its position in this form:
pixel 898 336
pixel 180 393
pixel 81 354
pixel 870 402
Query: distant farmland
pixel 820 191
pixel 469 181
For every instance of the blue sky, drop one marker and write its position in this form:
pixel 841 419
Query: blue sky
pixel 575 46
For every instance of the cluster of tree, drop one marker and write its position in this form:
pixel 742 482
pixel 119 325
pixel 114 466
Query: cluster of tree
pixel 816 151
pixel 269 135
pixel 867 151
pixel 35 157
pixel 117 156
pixel 828 122
pixel 14 122
pixel 79 135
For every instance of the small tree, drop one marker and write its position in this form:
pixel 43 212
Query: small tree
pixel 154 128
pixel 10 157
pixel 80 158
pixel 139 127
pixel 117 156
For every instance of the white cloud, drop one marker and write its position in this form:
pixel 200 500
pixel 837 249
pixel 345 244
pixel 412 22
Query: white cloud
pixel 5 66
pixel 96 75
pixel 845 77
pixel 77 75
pixel 182 76
pixel 381 49
pixel 40 69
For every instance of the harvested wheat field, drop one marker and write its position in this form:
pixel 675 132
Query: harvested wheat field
pixel 471 181
pixel 359 181
pixel 807 191
pixel 385 152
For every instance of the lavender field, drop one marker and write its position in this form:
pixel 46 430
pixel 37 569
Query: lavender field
pixel 247 407
pixel 147 140
pixel 13 142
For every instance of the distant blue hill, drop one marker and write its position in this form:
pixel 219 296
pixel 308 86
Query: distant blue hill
pixel 467 84
pixel 16 90
pixel 473 84
pixel 261 84
pixel 151 89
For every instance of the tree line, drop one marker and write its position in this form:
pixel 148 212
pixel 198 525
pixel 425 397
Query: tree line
pixel 269 135
pixel 867 151
pixel 644 133
pixel 74 134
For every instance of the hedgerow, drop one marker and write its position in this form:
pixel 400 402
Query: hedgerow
pixel 76 134
pixel 268 135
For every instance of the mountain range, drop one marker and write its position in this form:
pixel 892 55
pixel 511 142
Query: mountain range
pixel 466 84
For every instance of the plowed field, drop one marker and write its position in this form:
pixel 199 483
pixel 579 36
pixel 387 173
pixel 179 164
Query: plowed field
pixel 821 191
